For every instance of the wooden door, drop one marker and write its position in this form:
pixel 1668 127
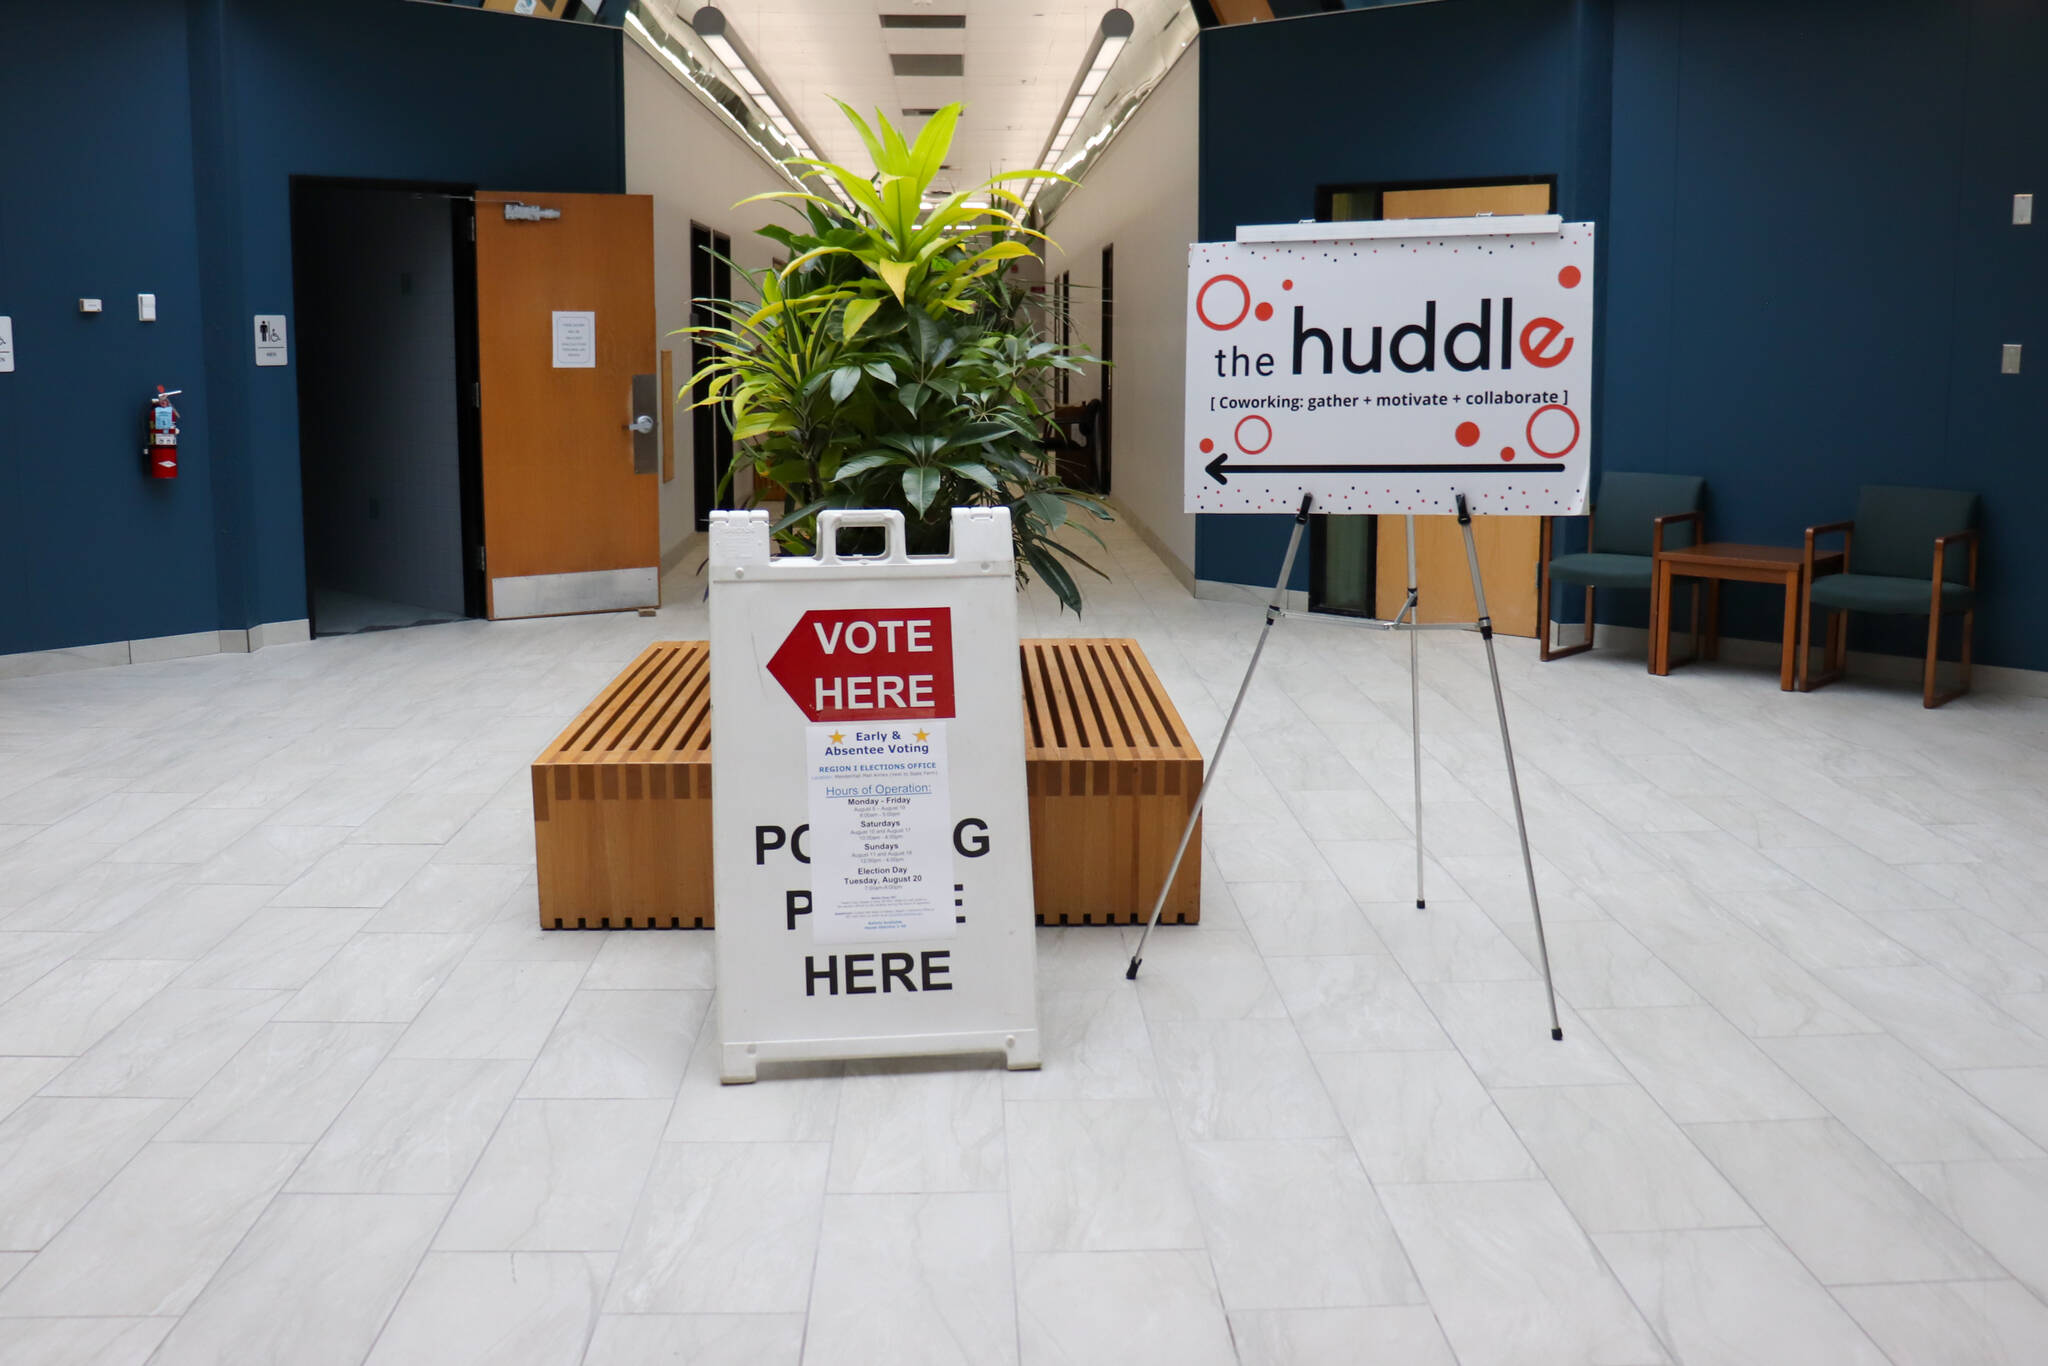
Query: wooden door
pixel 565 323
pixel 1507 545
pixel 1507 568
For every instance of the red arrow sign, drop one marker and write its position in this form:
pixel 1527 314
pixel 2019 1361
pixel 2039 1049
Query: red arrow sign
pixel 863 664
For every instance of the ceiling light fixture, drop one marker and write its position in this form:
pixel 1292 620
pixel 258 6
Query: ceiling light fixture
pixel 1110 38
pixel 711 25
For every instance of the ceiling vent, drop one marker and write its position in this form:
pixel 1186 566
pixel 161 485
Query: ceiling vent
pixel 924 21
pixel 927 63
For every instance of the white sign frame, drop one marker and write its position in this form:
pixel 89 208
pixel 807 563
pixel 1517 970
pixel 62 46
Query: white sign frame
pixel 773 1003
pixel 1387 367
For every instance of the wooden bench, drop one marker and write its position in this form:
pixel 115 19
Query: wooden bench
pixel 622 798
pixel 622 801
pixel 1112 775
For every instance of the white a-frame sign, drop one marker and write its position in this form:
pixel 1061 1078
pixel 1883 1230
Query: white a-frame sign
pixel 871 852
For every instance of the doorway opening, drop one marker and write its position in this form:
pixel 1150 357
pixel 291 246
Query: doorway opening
pixel 1353 570
pixel 1107 370
pixel 384 282
pixel 711 444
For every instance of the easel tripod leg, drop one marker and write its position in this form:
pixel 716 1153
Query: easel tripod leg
pixel 1507 750
pixel 1414 614
pixel 1273 611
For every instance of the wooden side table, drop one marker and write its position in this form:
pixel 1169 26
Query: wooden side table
pixel 1718 560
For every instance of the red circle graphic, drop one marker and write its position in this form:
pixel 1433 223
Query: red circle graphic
pixel 1202 295
pixel 1238 435
pixel 1468 433
pixel 1207 445
pixel 1507 452
pixel 1530 431
pixel 1263 311
pixel 1569 277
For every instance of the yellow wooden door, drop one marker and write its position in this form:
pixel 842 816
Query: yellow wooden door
pixel 565 322
pixel 1507 545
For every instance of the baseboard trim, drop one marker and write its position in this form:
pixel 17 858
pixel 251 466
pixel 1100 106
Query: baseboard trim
pixel 154 649
pixel 1215 590
pixel 1763 654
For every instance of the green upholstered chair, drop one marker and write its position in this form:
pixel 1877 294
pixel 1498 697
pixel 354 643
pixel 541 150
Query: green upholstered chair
pixel 1910 552
pixel 1632 515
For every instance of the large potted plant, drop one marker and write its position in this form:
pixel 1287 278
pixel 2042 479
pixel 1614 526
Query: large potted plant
pixel 891 364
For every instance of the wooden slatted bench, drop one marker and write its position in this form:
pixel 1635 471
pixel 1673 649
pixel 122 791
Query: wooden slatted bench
pixel 622 798
pixel 1112 775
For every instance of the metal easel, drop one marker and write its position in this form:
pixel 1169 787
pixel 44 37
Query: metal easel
pixel 1404 620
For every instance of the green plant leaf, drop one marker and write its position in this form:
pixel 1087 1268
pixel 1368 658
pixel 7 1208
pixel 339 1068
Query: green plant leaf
pixel 1049 506
pixel 921 486
pixel 933 142
pixel 868 460
pixel 857 314
pixel 896 275
pixel 843 380
pixel 979 473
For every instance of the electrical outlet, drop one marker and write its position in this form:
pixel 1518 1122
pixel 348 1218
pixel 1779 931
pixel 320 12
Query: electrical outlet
pixel 145 308
pixel 2022 210
pixel 88 305
pixel 2009 361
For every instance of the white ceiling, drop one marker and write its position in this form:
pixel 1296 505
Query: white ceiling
pixel 1021 57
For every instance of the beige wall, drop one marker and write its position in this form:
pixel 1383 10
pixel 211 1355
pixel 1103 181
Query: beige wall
pixel 1140 197
pixel 696 168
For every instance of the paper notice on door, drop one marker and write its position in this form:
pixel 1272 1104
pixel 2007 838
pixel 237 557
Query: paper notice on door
pixel 881 841
pixel 575 341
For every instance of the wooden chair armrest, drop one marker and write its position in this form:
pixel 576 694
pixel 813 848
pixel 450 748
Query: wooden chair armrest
pixel 1657 528
pixel 1848 530
pixel 1941 554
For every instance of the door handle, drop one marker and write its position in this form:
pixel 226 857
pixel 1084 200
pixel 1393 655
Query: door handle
pixel 645 404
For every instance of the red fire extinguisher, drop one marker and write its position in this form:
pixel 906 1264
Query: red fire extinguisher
pixel 162 450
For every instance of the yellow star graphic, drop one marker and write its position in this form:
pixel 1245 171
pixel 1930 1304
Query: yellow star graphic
pixel 924 735
pixel 837 738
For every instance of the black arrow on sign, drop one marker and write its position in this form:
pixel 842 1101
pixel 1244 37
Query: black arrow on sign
pixel 1215 469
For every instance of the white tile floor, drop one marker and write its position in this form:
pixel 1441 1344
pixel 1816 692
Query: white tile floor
pixel 288 1075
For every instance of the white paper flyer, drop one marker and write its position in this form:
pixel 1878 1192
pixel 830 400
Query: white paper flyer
pixel 881 813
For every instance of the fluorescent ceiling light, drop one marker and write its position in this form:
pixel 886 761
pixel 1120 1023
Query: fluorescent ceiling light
pixel 1111 36
pixel 711 25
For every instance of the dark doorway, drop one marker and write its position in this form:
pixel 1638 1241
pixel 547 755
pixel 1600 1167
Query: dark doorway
pixel 711 447
pixel 1063 321
pixel 1104 449
pixel 384 283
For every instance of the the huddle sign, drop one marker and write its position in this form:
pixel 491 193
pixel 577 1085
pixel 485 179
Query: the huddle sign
pixel 871 855
pixel 1385 374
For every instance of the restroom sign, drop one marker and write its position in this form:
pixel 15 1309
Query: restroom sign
pixel 871 846
pixel 1388 367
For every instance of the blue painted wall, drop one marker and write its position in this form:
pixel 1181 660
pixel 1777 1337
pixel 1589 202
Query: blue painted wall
pixel 1808 262
pixel 153 150
pixel 96 200
pixel 1459 90
pixel 1811 267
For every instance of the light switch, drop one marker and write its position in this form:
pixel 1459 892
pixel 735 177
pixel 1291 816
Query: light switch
pixel 2009 361
pixel 2022 210
pixel 145 308
pixel 88 305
